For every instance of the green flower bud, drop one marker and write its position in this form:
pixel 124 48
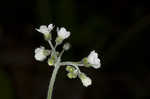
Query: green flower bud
pixel 66 46
pixel 70 69
pixel 51 61
pixel 82 76
pixel 86 81
pixel 59 40
pixel 47 36
pixel 72 75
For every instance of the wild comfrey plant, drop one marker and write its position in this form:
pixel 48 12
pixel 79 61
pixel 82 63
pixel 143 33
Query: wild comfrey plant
pixel 54 57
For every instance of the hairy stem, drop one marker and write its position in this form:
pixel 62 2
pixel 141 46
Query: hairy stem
pixel 52 81
pixel 72 63
pixel 53 49
pixel 51 45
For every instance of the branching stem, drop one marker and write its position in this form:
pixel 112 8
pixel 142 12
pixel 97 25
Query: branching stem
pixel 52 81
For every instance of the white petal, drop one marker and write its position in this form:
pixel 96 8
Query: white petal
pixel 39 54
pixel 43 29
pixel 63 33
pixel 40 57
pixel 94 60
pixel 50 27
pixel 37 50
pixel 87 82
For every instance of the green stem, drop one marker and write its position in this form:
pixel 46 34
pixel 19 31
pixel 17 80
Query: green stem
pixel 72 63
pixel 53 49
pixel 51 45
pixel 52 81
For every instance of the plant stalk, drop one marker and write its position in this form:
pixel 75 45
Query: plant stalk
pixel 52 81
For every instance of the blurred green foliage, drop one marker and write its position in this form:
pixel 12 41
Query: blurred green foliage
pixel 6 91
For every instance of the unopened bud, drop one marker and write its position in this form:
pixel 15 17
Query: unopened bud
pixel 47 36
pixel 66 46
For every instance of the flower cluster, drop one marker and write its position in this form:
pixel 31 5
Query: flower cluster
pixel 54 57
pixel 41 53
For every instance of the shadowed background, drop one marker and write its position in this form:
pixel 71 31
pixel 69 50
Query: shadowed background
pixel 117 29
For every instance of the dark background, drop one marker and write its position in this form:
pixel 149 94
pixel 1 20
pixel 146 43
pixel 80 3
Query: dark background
pixel 117 29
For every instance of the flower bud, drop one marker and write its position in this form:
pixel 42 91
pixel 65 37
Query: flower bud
pixel 86 81
pixel 47 37
pixel 70 69
pixel 66 46
pixel 72 72
pixel 63 33
pixel 51 61
pixel 93 60
pixel 46 31
pixel 41 54
pixel 72 75
pixel 58 40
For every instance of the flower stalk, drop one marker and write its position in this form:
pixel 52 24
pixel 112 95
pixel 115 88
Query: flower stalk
pixel 54 59
pixel 52 81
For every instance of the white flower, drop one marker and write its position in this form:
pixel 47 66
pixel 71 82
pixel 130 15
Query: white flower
pixel 45 30
pixel 50 27
pixel 41 54
pixel 63 33
pixel 94 60
pixel 86 81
